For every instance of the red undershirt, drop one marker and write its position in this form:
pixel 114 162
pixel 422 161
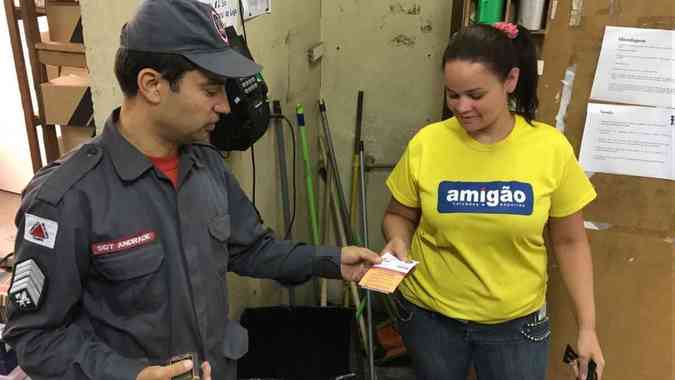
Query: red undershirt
pixel 167 165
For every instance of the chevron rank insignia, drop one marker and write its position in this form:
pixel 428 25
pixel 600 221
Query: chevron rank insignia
pixel 28 285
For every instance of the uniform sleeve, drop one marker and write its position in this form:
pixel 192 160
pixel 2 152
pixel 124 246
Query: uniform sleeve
pixel 402 181
pixel 255 252
pixel 41 329
pixel 574 190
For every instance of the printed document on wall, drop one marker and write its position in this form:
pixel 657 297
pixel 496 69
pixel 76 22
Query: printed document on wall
pixel 636 66
pixel 253 8
pixel 628 140
pixel 228 10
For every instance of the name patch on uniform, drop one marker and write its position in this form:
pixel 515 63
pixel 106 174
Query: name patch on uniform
pixel 40 231
pixel 108 247
pixel 516 198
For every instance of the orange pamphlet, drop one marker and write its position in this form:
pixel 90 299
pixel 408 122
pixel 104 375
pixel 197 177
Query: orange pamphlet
pixel 386 276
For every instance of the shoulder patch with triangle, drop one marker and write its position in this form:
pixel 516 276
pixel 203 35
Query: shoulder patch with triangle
pixel 40 231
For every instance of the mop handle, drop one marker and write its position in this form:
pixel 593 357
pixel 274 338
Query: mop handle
pixel 300 114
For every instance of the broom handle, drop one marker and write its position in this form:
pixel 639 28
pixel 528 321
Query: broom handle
pixel 341 237
pixel 324 235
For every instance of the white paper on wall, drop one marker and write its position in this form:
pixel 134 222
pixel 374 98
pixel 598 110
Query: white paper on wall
pixel 628 140
pixel 636 66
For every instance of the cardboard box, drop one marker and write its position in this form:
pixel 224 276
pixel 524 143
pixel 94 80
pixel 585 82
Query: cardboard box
pixel 67 101
pixel 54 72
pixel 72 137
pixel 65 21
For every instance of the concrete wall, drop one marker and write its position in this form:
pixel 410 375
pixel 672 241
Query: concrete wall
pixel 389 49
pixel 392 51
pixel 101 23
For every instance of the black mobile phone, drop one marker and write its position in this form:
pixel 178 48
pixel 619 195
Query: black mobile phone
pixel 569 356
pixel 192 374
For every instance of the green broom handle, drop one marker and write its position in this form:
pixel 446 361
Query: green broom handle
pixel 313 218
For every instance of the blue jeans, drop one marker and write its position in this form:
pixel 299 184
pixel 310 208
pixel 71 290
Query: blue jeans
pixel 443 348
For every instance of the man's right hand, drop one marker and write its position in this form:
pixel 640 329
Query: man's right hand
pixel 166 372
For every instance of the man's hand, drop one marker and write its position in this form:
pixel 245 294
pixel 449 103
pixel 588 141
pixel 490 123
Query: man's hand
pixel 165 372
pixel 355 261
pixel 398 248
pixel 175 369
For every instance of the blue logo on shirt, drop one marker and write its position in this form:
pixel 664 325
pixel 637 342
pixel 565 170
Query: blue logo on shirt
pixel 515 198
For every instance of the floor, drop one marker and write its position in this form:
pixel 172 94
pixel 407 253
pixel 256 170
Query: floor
pixel 9 204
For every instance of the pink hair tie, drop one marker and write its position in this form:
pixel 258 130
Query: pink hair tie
pixel 509 29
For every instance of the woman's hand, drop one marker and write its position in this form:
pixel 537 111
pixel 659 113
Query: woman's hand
pixel 589 348
pixel 398 248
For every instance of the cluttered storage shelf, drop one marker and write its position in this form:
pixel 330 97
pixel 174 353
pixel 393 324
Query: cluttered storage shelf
pixel 532 14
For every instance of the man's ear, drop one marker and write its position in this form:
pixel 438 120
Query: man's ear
pixel 149 85
pixel 512 80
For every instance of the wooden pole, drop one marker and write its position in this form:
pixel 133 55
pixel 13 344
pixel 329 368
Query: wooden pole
pixel 29 117
pixel 32 30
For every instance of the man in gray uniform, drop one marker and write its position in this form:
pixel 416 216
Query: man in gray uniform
pixel 123 246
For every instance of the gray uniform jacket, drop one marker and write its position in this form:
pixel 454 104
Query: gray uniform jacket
pixel 135 270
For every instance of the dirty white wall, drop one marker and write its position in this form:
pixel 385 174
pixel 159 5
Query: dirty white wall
pixel 279 42
pixel 391 50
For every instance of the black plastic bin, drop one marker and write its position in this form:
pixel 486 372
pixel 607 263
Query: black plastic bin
pixel 297 343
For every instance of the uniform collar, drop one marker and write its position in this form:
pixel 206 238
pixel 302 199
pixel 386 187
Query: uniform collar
pixel 189 152
pixel 129 162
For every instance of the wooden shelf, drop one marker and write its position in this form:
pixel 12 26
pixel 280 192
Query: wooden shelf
pixel 469 13
pixel 61 54
pixel 39 11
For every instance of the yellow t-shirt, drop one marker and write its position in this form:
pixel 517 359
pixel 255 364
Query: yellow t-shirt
pixel 484 206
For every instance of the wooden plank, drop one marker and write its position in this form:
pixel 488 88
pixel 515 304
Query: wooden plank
pixel 634 284
pixel 625 201
pixel 633 261
pixel 61 47
pixel 58 58
pixel 633 202
pixel 457 16
pixel 39 72
pixel 507 11
pixel 40 11
pixel 466 15
pixel 24 87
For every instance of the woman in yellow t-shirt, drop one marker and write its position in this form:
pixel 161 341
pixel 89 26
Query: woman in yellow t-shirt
pixel 471 197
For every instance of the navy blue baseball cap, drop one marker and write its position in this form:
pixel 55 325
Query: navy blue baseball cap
pixel 188 28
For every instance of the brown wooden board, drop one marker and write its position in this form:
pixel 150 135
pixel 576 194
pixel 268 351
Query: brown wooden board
pixel 633 283
pixel 59 57
pixel 626 201
pixel 633 260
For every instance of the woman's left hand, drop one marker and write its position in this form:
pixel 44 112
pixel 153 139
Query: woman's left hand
pixel 589 348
